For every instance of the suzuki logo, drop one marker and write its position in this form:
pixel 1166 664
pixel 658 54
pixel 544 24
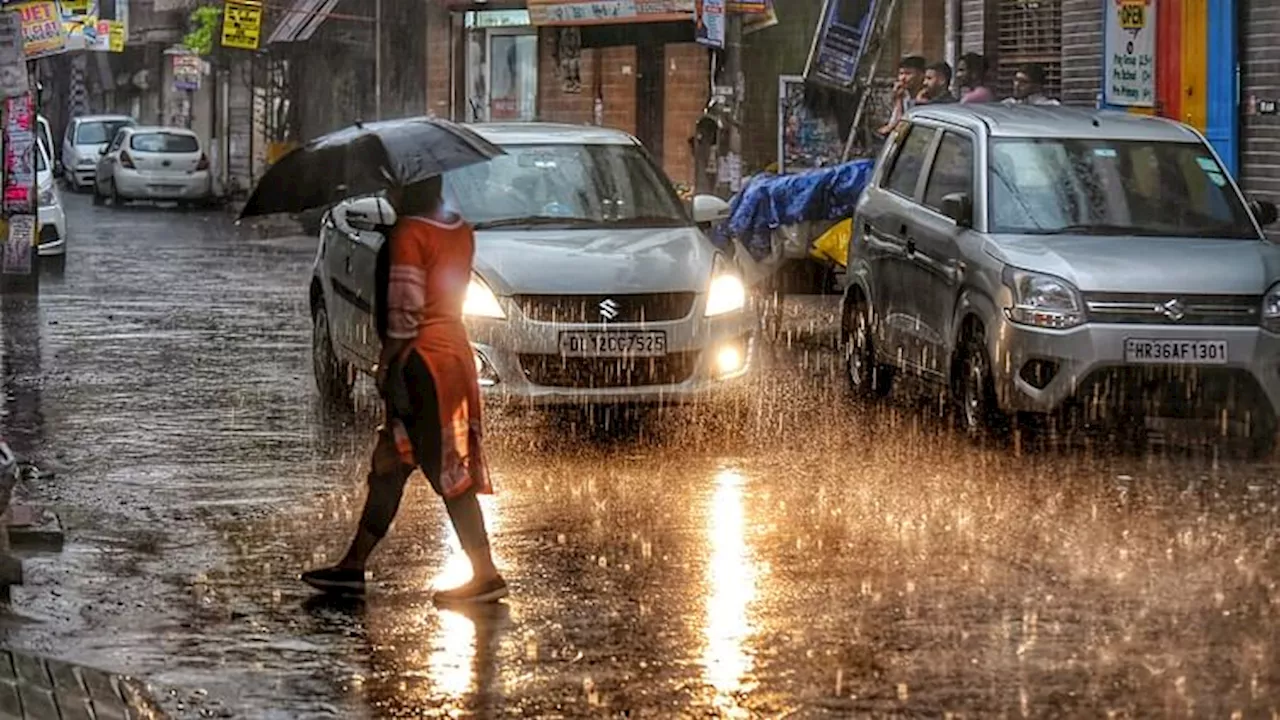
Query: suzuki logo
pixel 1174 310
pixel 609 309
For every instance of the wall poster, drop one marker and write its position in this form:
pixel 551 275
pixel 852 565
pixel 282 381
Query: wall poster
pixel 805 139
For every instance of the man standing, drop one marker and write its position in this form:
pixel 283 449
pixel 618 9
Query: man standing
pixel 910 79
pixel 971 76
pixel 937 85
pixel 1028 87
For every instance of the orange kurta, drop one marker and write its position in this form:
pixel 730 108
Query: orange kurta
pixel 430 271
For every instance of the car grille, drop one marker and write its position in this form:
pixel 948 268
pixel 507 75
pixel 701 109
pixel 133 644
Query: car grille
pixel 556 371
pixel 1173 309
pixel 651 307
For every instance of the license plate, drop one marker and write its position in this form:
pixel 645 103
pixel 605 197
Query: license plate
pixel 1175 352
pixel 613 344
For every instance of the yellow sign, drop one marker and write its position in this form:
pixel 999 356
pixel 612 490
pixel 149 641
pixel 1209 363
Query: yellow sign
pixel 115 32
pixel 1133 14
pixel 241 24
pixel 42 30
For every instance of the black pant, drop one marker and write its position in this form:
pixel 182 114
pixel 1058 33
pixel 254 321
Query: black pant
pixel 423 426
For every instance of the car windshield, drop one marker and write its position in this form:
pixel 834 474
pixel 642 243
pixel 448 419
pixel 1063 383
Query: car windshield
pixel 99 131
pixel 1110 187
pixel 566 186
pixel 164 143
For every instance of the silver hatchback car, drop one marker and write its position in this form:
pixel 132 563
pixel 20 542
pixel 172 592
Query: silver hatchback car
pixel 1038 261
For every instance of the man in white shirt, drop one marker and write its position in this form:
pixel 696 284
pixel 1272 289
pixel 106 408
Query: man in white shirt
pixel 1028 87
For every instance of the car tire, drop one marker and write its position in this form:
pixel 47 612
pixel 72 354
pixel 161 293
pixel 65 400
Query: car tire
pixel 978 412
pixel 334 378
pixel 868 379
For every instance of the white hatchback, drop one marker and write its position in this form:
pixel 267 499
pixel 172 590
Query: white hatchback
pixel 592 285
pixel 153 163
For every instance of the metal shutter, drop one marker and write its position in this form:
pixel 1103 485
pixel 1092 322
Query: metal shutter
pixel 1030 31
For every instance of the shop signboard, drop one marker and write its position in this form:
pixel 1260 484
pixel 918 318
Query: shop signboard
pixel 710 27
pixel 80 23
pixel 43 33
pixel 242 24
pixel 839 43
pixel 603 12
pixel 1130 53
pixel 806 140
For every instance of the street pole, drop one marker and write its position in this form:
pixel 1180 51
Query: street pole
pixel 731 149
pixel 377 60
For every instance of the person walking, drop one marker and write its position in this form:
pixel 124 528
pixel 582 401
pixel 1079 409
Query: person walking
pixel 427 378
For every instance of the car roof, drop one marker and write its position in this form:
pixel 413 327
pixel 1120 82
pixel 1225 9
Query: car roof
pixel 101 118
pixel 140 130
pixel 541 133
pixel 1057 121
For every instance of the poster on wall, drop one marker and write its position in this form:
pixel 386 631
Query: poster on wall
pixel 839 42
pixel 1130 52
pixel 805 139
pixel 187 70
pixel 710 27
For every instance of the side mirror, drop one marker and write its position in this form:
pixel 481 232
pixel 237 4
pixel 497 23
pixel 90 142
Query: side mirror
pixel 709 209
pixel 367 213
pixel 102 152
pixel 958 207
pixel 1265 211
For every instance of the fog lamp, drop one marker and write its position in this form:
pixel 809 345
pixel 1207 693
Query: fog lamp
pixel 485 374
pixel 731 360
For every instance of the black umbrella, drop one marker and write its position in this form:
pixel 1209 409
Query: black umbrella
pixel 366 159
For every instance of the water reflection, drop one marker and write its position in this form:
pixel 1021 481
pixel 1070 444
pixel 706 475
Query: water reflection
pixel 731 581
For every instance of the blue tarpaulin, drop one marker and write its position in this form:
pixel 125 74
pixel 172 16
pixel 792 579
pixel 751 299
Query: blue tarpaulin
pixel 772 201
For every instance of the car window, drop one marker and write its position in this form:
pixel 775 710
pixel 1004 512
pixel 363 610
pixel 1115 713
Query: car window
pixel 1098 186
pixel 117 141
pixel 163 142
pixel 567 184
pixel 97 132
pixel 952 170
pixel 906 167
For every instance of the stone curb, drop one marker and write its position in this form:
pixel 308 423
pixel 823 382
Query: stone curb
pixel 36 688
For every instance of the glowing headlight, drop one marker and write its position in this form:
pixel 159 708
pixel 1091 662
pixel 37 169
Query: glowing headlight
pixel 46 197
pixel 727 293
pixel 1043 300
pixel 481 302
pixel 1271 309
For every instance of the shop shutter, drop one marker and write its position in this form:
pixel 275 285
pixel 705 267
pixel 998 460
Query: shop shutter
pixel 1030 31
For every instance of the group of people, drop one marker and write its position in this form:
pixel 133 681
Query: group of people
pixel 922 83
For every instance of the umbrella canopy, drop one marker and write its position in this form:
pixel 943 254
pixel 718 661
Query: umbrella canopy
pixel 366 159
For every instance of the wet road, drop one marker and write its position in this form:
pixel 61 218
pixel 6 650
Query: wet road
pixel 796 557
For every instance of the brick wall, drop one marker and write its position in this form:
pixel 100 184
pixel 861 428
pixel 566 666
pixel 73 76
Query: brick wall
pixel 1081 51
pixel 612 70
pixel 1260 78
pixel 688 69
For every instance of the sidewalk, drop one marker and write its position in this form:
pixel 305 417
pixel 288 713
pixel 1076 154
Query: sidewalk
pixel 33 688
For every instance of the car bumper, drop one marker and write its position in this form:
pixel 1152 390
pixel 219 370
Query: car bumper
pixel 84 175
pixel 162 186
pixel 1040 371
pixel 52 238
pixel 520 364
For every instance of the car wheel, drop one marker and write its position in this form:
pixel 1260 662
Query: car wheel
pixel 868 379
pixel 978 412
pixel 333 377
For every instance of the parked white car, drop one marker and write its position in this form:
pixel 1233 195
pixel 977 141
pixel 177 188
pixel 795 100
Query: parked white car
pixel 52 238
pixel 592 285
pixel 82 146
pixel 153 163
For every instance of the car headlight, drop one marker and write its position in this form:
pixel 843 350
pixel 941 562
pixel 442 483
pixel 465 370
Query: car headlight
pixel 46 197
pixel 481 302
pixel 1043 300
pixel 1271 309
pixel 727 292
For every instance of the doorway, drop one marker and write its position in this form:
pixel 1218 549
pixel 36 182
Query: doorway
pixel 650 93
pixel 502 74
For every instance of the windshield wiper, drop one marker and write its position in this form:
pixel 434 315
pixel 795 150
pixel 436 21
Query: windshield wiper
pixel 1099 229
pixel 535 220
pixel 645 221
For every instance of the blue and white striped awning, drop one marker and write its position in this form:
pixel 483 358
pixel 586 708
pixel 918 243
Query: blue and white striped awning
pixel 302 20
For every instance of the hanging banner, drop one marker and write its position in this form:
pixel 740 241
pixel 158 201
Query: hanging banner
pixel 115 36
pixel 42 31
pixel 242 24
pixel 709 18
pixel 838 45
pixel 604 12
pixel 79 23
pixel 1130 52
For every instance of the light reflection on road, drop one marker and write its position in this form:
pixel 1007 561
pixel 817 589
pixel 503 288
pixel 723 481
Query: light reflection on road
pixel 731 588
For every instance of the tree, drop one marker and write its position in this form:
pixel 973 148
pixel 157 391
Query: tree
pixel 206 21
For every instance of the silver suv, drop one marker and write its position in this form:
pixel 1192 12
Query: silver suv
pixel 1035 261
